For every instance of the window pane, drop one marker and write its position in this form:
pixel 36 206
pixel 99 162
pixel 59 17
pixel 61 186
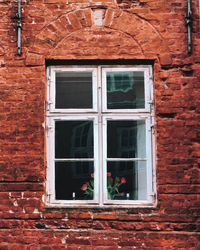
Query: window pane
pixel 126 180
pixel 73 90
pixel 125 90
pixel 74 180
pixel 126 139
pixel 74 139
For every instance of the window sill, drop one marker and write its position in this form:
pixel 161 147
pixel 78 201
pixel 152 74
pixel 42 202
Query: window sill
pixel 103 207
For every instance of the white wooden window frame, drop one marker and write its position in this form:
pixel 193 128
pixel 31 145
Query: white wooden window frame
pixel 52 88
pixel 147 89
pixel 147 159
pixel 100 114
pixel 52 159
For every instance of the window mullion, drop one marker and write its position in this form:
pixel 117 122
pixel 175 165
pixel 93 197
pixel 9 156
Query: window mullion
pixel 100 138
pixel 96 160
pixel 104 159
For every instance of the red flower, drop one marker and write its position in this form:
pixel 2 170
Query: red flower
pixel 109 174
pixel 123 180
pixel 84 187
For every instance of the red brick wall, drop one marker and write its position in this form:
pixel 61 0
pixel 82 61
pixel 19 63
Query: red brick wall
pixel 70 29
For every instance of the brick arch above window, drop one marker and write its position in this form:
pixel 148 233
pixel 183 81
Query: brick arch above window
pixel 81 29
pixel 98 43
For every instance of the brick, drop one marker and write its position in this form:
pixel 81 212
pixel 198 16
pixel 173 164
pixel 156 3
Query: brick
pixel 88 16
pixel 73 20
pixel 109 17
pixel 165 59
pixel 34 59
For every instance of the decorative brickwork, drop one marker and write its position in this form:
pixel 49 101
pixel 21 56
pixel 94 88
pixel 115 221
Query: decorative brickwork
pixel 143 31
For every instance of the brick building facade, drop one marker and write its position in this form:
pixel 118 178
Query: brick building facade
pixel 62 33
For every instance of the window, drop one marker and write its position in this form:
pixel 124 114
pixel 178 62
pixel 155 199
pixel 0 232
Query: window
pixel 99 136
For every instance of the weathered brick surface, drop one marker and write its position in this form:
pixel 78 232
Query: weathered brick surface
pixel 71 29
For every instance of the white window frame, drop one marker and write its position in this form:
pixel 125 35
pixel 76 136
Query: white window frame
pixel 52 160
pixel 147 159
pixel 52 88
pixel 100 114
pixel 147 90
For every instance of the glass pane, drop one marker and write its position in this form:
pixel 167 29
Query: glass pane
pixel 126 139
pixel 127 180
pixel 74 139
pixel 125 90
pixel 74 180
pixel 73 90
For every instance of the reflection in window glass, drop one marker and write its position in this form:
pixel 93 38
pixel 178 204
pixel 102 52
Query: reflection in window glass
pixel 74 139
pixel 73 179
pixel 126 180
pixel 73 90
pixel 126 139
pixel 125 90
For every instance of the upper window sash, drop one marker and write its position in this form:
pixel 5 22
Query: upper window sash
pixel 52 89
pixel 109 74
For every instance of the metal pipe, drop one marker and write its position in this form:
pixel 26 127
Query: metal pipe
pixel 189 26
pixel 19 27
pixel 199 15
